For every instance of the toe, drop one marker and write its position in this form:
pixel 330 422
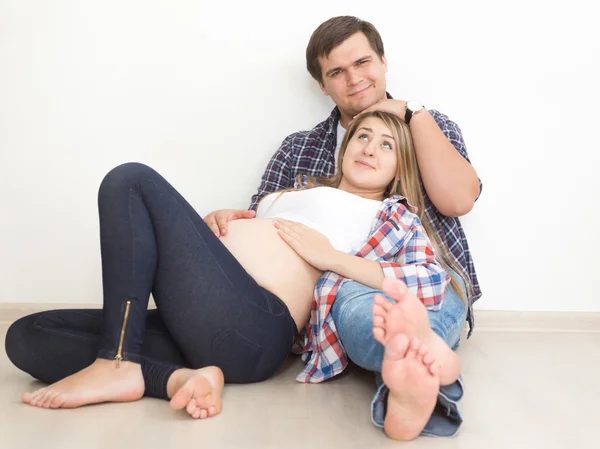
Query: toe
pixel 212 411
pixel 380 301
pixel 378 321
pixel 396 347
pixel 49 399
pixel 196 413
pixel 379 312
pixel 413 351
pixel 191 406
pixel 428 359
pixel 57 401
pixel 379 335
pixel 39 399
pixel 394 288
pixel 203 414
pixel 33 397
pixel 181 398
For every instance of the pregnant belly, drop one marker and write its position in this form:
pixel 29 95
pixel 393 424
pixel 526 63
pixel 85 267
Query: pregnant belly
pixel 273 264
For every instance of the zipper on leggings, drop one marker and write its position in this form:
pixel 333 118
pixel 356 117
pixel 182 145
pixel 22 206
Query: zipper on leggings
pixel 119 355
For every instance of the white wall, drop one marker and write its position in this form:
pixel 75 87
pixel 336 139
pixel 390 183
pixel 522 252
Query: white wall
pixel 205 94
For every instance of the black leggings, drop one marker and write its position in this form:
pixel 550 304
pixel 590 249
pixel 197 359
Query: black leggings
pixel 210 311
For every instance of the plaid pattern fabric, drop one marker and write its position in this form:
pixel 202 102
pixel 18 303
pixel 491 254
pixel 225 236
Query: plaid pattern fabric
pixel 399 244
pixel 313 153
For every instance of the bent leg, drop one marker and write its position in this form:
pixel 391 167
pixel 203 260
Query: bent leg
pixel 56 344
pixel 214 310
pixel 353 317
pixel 216 313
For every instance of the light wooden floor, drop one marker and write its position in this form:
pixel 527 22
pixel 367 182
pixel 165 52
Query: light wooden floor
pixel 527 387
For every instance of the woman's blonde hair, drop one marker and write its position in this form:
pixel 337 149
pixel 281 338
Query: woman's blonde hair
pixel 407 182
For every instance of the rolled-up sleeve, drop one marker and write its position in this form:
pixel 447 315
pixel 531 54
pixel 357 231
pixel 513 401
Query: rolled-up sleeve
pixel 415 264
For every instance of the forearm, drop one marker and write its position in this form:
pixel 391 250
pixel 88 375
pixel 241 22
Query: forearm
pixel 427 281
pixel 449 179
pixel 367 272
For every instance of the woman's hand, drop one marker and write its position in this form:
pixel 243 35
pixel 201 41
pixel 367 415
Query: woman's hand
pixel 311 245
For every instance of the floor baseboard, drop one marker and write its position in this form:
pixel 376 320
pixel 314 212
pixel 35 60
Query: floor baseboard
pixel 486 320
pixel 516 321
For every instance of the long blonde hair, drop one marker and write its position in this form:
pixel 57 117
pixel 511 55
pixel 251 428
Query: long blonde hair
pixel 407 182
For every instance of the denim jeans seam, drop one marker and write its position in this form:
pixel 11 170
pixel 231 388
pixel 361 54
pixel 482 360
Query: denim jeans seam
pixel 228 332
pixel 133 240
pixel 155 332
pixel 60 332
pixel 95 317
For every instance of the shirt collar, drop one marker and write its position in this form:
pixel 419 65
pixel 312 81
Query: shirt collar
pixel 401 199
pixel 334 118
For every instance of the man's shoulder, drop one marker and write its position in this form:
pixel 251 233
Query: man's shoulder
pixel 317 137
pixel 438 116
pixel 442 119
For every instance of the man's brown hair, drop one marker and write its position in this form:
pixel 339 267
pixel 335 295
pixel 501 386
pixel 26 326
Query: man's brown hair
pixel 332 33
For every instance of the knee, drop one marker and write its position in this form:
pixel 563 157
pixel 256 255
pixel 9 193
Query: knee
pixel 353 317
pixel 16 343
pixel 123 177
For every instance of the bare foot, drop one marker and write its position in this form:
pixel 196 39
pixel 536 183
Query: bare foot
pixel 409 317
pixel 413 387
pixel 198 391
pixel 102 381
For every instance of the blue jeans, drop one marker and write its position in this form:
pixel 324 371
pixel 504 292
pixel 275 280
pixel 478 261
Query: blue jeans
pixel 353 317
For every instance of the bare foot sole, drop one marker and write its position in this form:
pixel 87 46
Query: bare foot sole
pixel 409 317
pixel 413 388
pixel 198 391
pixel 102 381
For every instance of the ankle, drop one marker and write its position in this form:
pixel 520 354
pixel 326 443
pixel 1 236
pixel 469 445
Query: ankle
pixel 122 366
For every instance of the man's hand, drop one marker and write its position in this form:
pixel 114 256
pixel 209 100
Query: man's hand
pixel 396 107
pixel 311 245
pixel 217 220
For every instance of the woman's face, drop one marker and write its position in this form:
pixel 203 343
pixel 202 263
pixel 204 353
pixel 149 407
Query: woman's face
pixel 371 158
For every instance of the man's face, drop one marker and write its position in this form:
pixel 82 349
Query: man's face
pixel 353 75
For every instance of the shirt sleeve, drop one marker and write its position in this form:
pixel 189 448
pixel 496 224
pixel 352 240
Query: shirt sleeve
pixel 277 174
pixel 413 260
pixel 454 135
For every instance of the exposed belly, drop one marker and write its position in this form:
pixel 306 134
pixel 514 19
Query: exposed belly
pixel 273 264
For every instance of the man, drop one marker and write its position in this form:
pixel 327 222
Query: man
pixel 346 57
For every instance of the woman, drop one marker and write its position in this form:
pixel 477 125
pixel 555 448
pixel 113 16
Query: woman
pixel 228 309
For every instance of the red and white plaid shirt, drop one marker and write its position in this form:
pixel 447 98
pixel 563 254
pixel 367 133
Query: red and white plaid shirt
pixel 399 243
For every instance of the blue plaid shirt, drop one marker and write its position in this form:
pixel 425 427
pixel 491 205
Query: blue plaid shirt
pixel 313 153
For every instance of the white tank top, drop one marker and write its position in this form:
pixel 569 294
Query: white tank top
pixel 345 219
